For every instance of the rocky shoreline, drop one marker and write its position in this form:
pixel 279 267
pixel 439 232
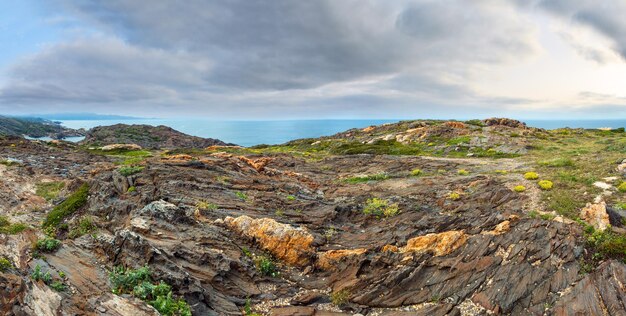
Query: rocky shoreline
pixel 311 227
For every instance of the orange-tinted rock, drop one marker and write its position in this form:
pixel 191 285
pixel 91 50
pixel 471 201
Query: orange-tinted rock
pixel 500 228
pixel 369 129
pixel 456 124
pixel 258 164
pixel 328 259
pixel 287 243
pixel 596 215
pixel 439 244
pixel 391 248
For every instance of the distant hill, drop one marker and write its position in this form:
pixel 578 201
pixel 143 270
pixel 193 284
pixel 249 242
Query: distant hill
pixel 146 136
pixel 84 116
pixel 35 127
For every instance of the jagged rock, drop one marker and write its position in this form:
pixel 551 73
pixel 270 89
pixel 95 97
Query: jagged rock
pixel 287 243
pixel 120 147
pixel 11 292
pixel 326 260
pixel 439 244
pixel 43 300
pixel 121 306
pixel 165 211
pixel 504 122
pixel 596 215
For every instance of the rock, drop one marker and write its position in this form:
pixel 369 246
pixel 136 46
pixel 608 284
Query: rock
pixel 11 292
pixel 504 122
pixel 596 215
pixel 326 260
pixel 43 300
pixel 456 124
pixel 120 147
pixel 287 243
pixel 293 311
pixel 501 228
pixel 165 211
pixel 602 185
pixel 439 244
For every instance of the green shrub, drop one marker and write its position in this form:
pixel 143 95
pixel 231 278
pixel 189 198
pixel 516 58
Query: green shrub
pixel 47 244
pixel 39 275
pixel 129 170
pixel 58 286
pixel 416 172
pixel 131 189
pixel 49 190
pixel 622 187
pixel 367 178
pixel 5 264
pixel 206 206
pixel 340 298
pixel 459 140
pixel 380 208
pixel 72 204
pixel 291 198
pixel 266 266
pixel 454 196
pixel 462 172
pixel 545 184
pixel 519 188
pixel 84 226
pixel 139 283
pixel 531 176
pixel 241 195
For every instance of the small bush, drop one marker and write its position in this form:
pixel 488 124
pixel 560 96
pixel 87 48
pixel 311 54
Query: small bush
pixel 622 187
pixel 5 264
pixel 241 195
pixel 84 226
pixel 139 283
pixel 206 206
pixel 72 204
pixel 462 172
pixel 340 298
pixel 266 266
pixel 416 172
pixel 131 189
pixel 58 286
pixel 291 198
pixel 39 275
pixel 531 176
pixel 519 188
pixel 380 208
pixel 454 196
pixel 129 170
pixel 47 244
pixel 545 184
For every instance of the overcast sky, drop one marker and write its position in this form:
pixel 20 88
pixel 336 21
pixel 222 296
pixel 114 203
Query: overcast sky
pixel 249 59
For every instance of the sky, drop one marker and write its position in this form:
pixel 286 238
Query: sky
pixel 286 59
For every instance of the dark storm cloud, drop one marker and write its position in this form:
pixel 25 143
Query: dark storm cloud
pixel 200 53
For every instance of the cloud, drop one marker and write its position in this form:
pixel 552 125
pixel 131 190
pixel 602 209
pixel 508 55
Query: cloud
pixel 203 55
pixel 606 17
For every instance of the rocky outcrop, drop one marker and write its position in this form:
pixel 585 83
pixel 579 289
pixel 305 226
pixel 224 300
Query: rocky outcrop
pixel 146 136
pixel 596 215
pixel 287 243
pixel 496 121
pixel 439 244
pixel 120 147
pixel 327 260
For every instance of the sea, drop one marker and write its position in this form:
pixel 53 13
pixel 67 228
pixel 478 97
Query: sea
pixel 250 133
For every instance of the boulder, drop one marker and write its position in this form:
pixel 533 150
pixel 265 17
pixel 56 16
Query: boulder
pixel 596 215
pixel 287 243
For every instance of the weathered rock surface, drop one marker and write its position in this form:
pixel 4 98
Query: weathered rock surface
pixel 121 147
pixel 596 215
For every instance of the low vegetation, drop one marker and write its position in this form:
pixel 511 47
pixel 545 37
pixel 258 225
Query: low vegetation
pixel 463 172
pixel 139 283
pixel 47 244
pixel 129 170
pixel 5 264
pixel 49 190
pixel 206 206
pixel 545 184
pixel 84 226
pixel 454 196
pixel 381 208
pixel 519 188
pixel 9 228
pixel 340 298
pixel 68 207
pixel 367 178
pixel 531 176
pixel 266 266
pixel 416 172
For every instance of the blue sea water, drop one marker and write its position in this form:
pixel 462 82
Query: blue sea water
pixel 250 133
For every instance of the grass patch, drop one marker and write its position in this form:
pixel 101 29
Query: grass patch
pixel 367 178
pixel 49 190
pixel 84 226
pixel 206 206
pixel 242 196
pixel 5 264
pixel 380 147
pixel 340 298
pixel 72 204
pixel 463 172
pixel 266 266
pixel 416 172
pixel 557 162
pixel 8 228
pixel 459 140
